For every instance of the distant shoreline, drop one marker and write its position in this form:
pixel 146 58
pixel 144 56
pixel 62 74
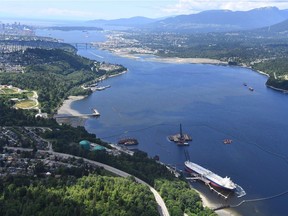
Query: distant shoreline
pixel 171 60
pixel 177 60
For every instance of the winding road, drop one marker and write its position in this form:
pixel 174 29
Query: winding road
pixel 162 209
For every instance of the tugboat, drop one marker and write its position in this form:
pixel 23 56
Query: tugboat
pixel 95 112
pixel 180 139
pixel 227 141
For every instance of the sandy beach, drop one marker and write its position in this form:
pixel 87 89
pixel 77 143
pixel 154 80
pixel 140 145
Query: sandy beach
pixel 176 60
pixel 207 203
pixel 172 60
pixel 65 109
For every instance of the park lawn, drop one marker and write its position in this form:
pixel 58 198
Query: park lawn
pixel 26 104
pixel 29 94
pixel 9 91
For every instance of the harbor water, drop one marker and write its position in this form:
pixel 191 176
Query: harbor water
pixel 151 100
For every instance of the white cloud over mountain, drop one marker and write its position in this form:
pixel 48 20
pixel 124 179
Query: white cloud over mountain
pixel 194 6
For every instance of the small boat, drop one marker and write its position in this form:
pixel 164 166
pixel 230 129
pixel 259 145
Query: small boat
pixel 227 141
pixel 251 89
pixel 245 84
pixel 95 112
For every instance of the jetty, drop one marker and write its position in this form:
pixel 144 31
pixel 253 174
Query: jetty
pixel 95 113
pixel 101 88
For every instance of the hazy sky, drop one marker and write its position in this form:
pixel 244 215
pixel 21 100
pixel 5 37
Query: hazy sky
pixel 111 9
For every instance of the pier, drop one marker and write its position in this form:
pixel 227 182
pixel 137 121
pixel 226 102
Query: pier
pixel 95 113
pixel 207 182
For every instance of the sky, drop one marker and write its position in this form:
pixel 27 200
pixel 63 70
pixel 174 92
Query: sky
pixel 113 9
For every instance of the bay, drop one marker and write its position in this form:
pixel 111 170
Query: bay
pixel 211 102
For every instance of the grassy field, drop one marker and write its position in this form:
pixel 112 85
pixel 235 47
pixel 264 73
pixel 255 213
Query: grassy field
pixel 9 91
pixel 26 104
pixel 29 94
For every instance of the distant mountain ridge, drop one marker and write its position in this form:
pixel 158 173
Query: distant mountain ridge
pixel 206 21
pixel 129 22
pixel 221 20
pixel 279 28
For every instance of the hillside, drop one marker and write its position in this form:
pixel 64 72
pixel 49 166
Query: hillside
pixel 220 21
pixel 55 74
pixel 128 22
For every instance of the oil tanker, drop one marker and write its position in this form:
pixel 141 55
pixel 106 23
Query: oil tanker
pixel 210 177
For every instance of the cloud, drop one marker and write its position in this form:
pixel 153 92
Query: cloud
pixel 57 12
pixel 194 6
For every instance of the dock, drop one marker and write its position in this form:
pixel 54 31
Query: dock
pixel 207 182
pixel 95 113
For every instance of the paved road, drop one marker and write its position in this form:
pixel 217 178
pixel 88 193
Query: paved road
pixel 162 209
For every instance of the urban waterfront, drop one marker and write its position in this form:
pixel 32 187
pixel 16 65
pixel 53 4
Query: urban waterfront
pixel 152 99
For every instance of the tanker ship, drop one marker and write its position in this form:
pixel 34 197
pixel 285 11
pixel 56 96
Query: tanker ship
pixel 210 177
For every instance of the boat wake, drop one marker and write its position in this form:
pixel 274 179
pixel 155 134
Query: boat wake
pixel 240 191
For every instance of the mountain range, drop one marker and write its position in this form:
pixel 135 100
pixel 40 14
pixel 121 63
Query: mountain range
pixel 206 21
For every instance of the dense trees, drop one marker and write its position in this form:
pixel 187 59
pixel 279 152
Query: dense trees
pixel 278 71
pixel 89 195
pixel 13 117
pixel 180 198
pixel 54 74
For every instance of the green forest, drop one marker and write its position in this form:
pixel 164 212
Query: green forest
pixel 55 74
pixel 65 139
pixel 88 195
pixel 180 199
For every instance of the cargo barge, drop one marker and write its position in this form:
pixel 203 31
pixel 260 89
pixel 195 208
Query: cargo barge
pixel 180 139
pixel 128 141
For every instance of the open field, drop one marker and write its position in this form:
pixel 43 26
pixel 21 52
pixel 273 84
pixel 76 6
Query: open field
pixel 26 104
pixel 7 90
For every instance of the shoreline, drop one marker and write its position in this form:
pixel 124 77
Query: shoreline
pixel 65 108
pixel 177 60
pixel 209 204
pixel 169 60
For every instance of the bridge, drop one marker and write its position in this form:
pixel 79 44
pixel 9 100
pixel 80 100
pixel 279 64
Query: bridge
pixel 82 45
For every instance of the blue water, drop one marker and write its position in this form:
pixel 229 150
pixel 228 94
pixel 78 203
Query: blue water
pixel 152 99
